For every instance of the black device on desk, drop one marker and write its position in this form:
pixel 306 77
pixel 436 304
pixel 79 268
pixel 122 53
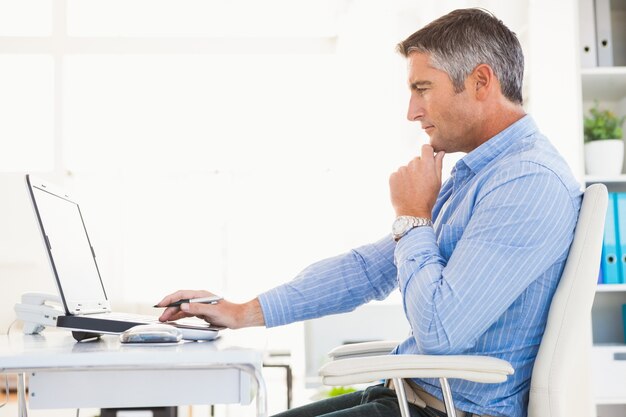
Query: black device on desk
pixel 73 264
pixel 156 411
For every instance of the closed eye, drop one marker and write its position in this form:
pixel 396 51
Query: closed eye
pixel 420 87
pixel 420 90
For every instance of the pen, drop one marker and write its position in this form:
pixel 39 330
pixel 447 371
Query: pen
pixel 203 300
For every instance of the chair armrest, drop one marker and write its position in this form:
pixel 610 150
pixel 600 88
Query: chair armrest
pixel 371 368
pixel 350 350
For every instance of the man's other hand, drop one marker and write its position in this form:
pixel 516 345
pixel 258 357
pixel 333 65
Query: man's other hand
pixel 414 188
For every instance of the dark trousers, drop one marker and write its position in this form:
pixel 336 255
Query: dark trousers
pixel 375 401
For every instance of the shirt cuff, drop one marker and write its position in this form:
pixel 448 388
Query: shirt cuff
pixel 418 245
pixel 275 312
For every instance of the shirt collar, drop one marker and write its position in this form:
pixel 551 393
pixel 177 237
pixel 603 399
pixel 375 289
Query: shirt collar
pixel 488 151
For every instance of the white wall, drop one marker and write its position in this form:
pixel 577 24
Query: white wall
pixel 553 63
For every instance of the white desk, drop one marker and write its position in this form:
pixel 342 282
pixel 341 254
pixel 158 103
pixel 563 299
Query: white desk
pixel 107 374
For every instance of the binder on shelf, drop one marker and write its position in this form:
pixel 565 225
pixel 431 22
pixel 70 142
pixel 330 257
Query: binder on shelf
pixel 610 266
pixel 587 25
pixel 604 38
pixel 620 219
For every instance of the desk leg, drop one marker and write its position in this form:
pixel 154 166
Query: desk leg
pixel 261 395
pixel 289 377
pixel 21 396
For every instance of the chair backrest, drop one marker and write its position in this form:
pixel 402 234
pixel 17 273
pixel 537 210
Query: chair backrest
pixel 560 381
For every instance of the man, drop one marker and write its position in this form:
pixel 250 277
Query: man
pixel 476 260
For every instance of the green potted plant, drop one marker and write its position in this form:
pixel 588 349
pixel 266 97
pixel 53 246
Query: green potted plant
pixel 604 146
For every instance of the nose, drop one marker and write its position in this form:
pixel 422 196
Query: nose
pixel 416 110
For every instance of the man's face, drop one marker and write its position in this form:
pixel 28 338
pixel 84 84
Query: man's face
pixel 449 118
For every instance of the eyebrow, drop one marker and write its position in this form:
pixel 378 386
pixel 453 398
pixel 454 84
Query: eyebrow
pixel 417 84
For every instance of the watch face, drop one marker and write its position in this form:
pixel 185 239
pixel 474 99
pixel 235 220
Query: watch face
pixel 400 225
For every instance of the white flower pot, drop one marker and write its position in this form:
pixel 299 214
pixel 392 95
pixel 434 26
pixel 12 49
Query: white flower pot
pixel 604 157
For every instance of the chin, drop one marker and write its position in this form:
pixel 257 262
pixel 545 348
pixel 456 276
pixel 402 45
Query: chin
pixel 436 146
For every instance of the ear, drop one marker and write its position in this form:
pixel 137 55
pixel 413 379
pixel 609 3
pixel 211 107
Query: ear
pixel 482 81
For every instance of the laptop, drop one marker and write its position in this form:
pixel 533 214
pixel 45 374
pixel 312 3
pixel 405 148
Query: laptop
pixel 73 262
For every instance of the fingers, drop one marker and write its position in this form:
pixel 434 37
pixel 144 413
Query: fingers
pixel 168 299
pixel 439 163
pixel 175 313
pixel 428 156
pixel 172 314
pixel 414 187
pixel 197 309
pixel 182 294
pixel 427 159
pixel 203 311
pixel 186 310
pixel 428 153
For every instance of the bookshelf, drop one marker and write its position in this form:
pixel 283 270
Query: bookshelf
pixel 608 351
pixel 607 85
pixel 611 288
pixel 612 182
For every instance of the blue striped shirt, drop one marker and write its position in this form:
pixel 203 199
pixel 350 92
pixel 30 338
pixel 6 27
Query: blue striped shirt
pixel 478 282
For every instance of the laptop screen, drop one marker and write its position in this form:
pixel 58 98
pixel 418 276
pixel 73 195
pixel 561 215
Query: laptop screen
pixel 70 250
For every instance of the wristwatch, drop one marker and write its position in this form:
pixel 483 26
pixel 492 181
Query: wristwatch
pixel 403 224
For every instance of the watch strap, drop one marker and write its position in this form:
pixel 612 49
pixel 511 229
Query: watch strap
pixel 412 222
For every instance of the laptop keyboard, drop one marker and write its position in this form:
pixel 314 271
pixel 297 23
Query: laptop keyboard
pixel 188 322
pixel 142 318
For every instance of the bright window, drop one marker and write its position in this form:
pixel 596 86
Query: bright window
pixel 25 17
pixel 220 18
pixel 26 113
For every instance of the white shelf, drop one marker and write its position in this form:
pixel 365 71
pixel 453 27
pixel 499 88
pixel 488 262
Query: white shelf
pixel 616 179
pixel 611 288
pixel 610 401
pixel 617 347
pixel 603 83
pixel 602 71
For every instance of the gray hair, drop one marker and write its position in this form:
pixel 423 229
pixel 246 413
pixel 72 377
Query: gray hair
pixel 465 38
